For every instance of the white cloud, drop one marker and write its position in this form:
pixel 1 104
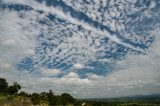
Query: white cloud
pixel 9 42
pixel 78 66
pixel 50 72
pixel 66 16
pixel 137 75
pixel 152 4
pixel 71 75
pixel 14 35
pixel 4 65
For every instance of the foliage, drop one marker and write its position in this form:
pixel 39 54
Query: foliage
pixel 66 98
pixel 52 99
pixel 24 94
pixel 44 96
pixel 14 88
pixel 3 86
pixel 35 98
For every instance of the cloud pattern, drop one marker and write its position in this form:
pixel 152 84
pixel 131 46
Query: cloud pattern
pixel 81 42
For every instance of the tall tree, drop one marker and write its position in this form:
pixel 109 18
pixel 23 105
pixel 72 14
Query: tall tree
pixel 52 99
pixel 35 98
pixel 14 88
pixel 3 86
pixel 66 98
pixel 44 96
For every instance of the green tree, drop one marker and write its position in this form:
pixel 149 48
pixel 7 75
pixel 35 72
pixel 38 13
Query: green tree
pixel 24 94
pixel 66 99
pixel 3 86
pixel 35 98
pixel 52 99
pixel 44 96
pixel 14 88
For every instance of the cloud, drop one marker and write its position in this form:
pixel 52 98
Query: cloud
pixel 137 75
pixel 4 65
pixel 57 11
pixel 72 75
pixel 152 4
pixel 9 42
pixel 78 66
pixel 16 37
pixel 50 72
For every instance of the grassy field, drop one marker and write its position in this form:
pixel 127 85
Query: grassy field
pixel 14 101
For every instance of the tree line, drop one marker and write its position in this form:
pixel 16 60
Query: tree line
pixel 37 98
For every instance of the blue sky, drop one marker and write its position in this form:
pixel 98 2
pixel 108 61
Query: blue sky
pixel 89 48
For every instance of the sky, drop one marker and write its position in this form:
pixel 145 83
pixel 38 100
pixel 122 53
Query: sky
pixel 88 48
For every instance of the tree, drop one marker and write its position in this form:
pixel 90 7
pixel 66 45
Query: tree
pixel 24 94
pixel 44 96
pixel 3 86
pixel 14 88
pixel 66 98
pixel 35 98
pixel 52 99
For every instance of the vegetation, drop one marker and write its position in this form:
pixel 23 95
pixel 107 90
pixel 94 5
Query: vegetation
pixel 10 96
pixel 14 88
pixel 3 86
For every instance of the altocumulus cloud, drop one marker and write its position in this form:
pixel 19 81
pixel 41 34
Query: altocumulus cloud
pixel 71 46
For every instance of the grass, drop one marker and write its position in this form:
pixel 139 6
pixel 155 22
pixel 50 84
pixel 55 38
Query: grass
pixel 2 97
pixel 14 101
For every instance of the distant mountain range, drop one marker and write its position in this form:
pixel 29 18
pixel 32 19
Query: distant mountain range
pixel 152 97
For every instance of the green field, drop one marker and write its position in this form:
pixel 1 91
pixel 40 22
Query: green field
pixel 14 101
